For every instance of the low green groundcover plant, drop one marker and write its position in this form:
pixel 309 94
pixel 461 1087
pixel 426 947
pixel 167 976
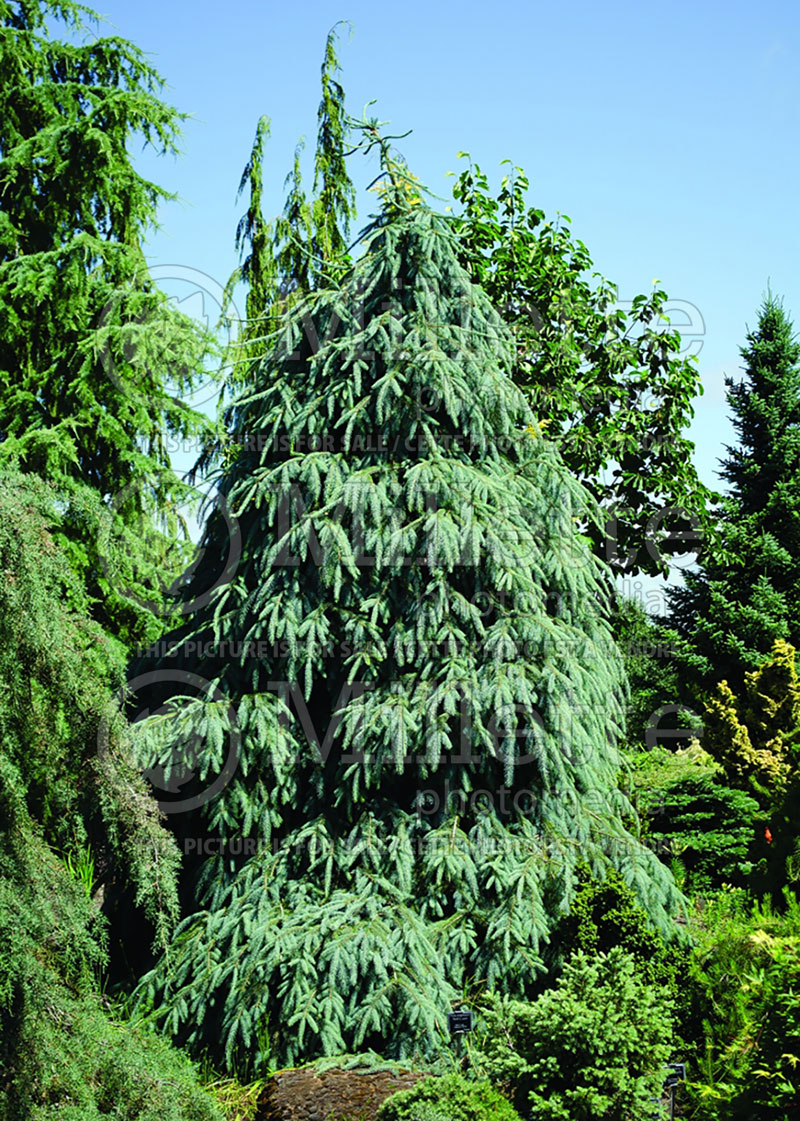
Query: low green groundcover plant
pixel 451 1097
pixel 592 1047
pixel 745 984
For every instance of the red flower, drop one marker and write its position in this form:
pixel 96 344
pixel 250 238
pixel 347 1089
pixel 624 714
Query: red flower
pixel 768 835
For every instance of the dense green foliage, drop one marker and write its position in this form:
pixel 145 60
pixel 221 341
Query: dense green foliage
pixel 68 786
pixel 611 385
pixel 605 914
pixel 592 1047
pixel 63 1051
pixel 450 1097
pixel 61 729
pixel 746 985
pixel 648 650
pixel 701 825
pixel 746 592
pixel 755 739
pixel 428 696
pixel 406 725
pixel 95 363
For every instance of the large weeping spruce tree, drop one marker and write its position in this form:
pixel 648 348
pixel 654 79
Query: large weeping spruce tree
pixel 414 662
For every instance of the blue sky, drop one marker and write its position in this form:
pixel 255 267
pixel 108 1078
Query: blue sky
pixel 668 133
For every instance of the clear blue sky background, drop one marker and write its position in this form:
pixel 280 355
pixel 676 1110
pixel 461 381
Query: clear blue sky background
pixel 668 133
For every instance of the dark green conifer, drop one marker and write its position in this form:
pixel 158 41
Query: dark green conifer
pixel 79 830
pixel 96 365
pixel 746 592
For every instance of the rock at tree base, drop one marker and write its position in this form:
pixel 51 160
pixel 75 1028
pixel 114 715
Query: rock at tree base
pixel 309 1095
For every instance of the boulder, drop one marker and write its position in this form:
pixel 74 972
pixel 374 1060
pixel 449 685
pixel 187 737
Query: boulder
pixel 306 1094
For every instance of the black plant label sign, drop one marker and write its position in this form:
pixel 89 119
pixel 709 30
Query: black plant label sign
pixel 459 1021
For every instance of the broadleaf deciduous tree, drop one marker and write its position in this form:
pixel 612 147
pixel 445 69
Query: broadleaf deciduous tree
pixel 611 385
